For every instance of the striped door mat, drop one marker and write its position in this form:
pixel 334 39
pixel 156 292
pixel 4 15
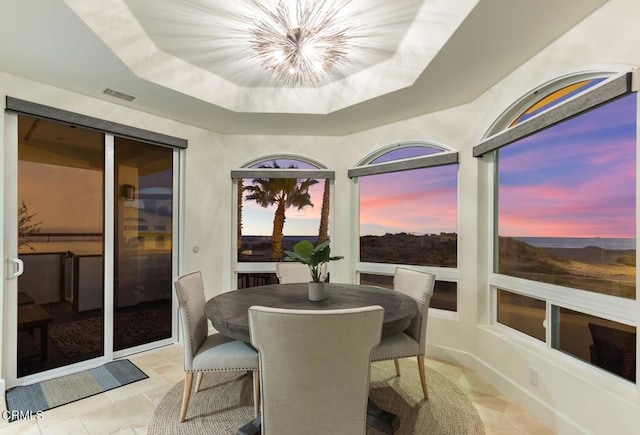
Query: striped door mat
pixel 29 399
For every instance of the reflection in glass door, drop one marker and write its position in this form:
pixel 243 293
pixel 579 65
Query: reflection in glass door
pixel 68 309
pixel 61 243
pixel 143 243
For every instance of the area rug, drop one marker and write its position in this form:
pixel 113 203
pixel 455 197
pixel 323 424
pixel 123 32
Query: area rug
pixel 81 337
pixel 84 337
pixel 66 389
pixel 225 403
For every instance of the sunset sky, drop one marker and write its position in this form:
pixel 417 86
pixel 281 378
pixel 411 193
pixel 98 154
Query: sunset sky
pixel 575 179
pixel 416 201
pixel 63 198
pixel 258 221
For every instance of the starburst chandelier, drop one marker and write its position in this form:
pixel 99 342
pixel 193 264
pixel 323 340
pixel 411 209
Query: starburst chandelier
pixel 301 41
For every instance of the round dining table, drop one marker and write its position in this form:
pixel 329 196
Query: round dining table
pixel 229 312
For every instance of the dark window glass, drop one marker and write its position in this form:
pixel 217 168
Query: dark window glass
pixel 61 243
pixel 444 294
pixel 603 343
pixel 143 281
pixel 522 313
pixel 256 279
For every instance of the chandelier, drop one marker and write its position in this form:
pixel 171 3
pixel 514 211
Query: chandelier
pixel 301 43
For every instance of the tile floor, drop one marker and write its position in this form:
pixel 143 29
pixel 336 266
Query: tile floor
pixel 128 409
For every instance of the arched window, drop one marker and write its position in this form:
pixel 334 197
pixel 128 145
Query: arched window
pixel 407 207
pixel 565 217
pixel 281 199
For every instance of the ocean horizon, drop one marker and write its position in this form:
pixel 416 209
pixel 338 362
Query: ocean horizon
pixel 612 243
pixel 83 247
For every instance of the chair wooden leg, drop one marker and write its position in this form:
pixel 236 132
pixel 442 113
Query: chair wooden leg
pixel 199 381
pixel 397 366
pixel 256 392
pixel 423 378
pixel 188 379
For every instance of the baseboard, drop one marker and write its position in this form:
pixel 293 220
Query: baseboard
pixel 543 411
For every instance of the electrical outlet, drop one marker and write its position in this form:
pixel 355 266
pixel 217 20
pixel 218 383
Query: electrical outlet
pixel 533 376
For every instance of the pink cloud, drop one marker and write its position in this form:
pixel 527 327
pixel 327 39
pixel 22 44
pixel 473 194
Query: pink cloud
pixel 552 211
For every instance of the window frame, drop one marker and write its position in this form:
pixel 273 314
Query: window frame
pixel 37 110
pixel 614 308
pixel 447 156
pixel 247 171
pixel 500 134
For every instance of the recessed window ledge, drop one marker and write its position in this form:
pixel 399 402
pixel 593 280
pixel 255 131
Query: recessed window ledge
pixel 443 314
pixel 606 382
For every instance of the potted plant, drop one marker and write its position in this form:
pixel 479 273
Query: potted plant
pixel 304 252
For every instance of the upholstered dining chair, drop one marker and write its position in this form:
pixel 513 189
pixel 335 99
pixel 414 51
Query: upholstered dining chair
pixel 412 342
pixel 314 368
pixel 204 352
pixel 292 272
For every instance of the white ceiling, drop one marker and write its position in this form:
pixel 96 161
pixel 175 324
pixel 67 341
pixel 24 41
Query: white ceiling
pixel 411 57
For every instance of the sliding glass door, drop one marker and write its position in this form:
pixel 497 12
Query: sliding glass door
pixel 143 243
pixel 60 301
pixel 91 267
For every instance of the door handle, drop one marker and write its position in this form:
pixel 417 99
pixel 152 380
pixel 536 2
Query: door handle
pixel 19 269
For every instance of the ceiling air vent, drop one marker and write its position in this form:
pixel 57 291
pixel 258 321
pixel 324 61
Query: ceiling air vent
pixel 120 95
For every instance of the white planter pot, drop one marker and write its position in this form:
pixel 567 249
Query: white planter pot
pixel 316 291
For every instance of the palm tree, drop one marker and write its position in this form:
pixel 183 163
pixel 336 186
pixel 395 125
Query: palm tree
pixel 284 193
pixel 323 232
pixel 240 191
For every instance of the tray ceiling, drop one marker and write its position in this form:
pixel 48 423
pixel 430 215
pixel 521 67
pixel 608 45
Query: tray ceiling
pixel 189 60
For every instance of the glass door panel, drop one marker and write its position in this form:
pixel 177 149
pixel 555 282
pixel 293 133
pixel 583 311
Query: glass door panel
pixel 61 243
pixel 143 243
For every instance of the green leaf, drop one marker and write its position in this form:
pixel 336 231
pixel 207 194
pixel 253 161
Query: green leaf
pixel 292 256
pixel 304 252
pixel 303 248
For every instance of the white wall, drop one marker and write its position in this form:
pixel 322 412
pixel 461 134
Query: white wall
pixel 571 397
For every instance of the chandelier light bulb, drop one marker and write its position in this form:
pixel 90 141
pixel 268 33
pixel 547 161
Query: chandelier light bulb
pixel 299 44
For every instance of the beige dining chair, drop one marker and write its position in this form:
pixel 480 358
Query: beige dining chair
pixel 293 272
pixel 412 342
pixel 314 368
pixel 204 352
